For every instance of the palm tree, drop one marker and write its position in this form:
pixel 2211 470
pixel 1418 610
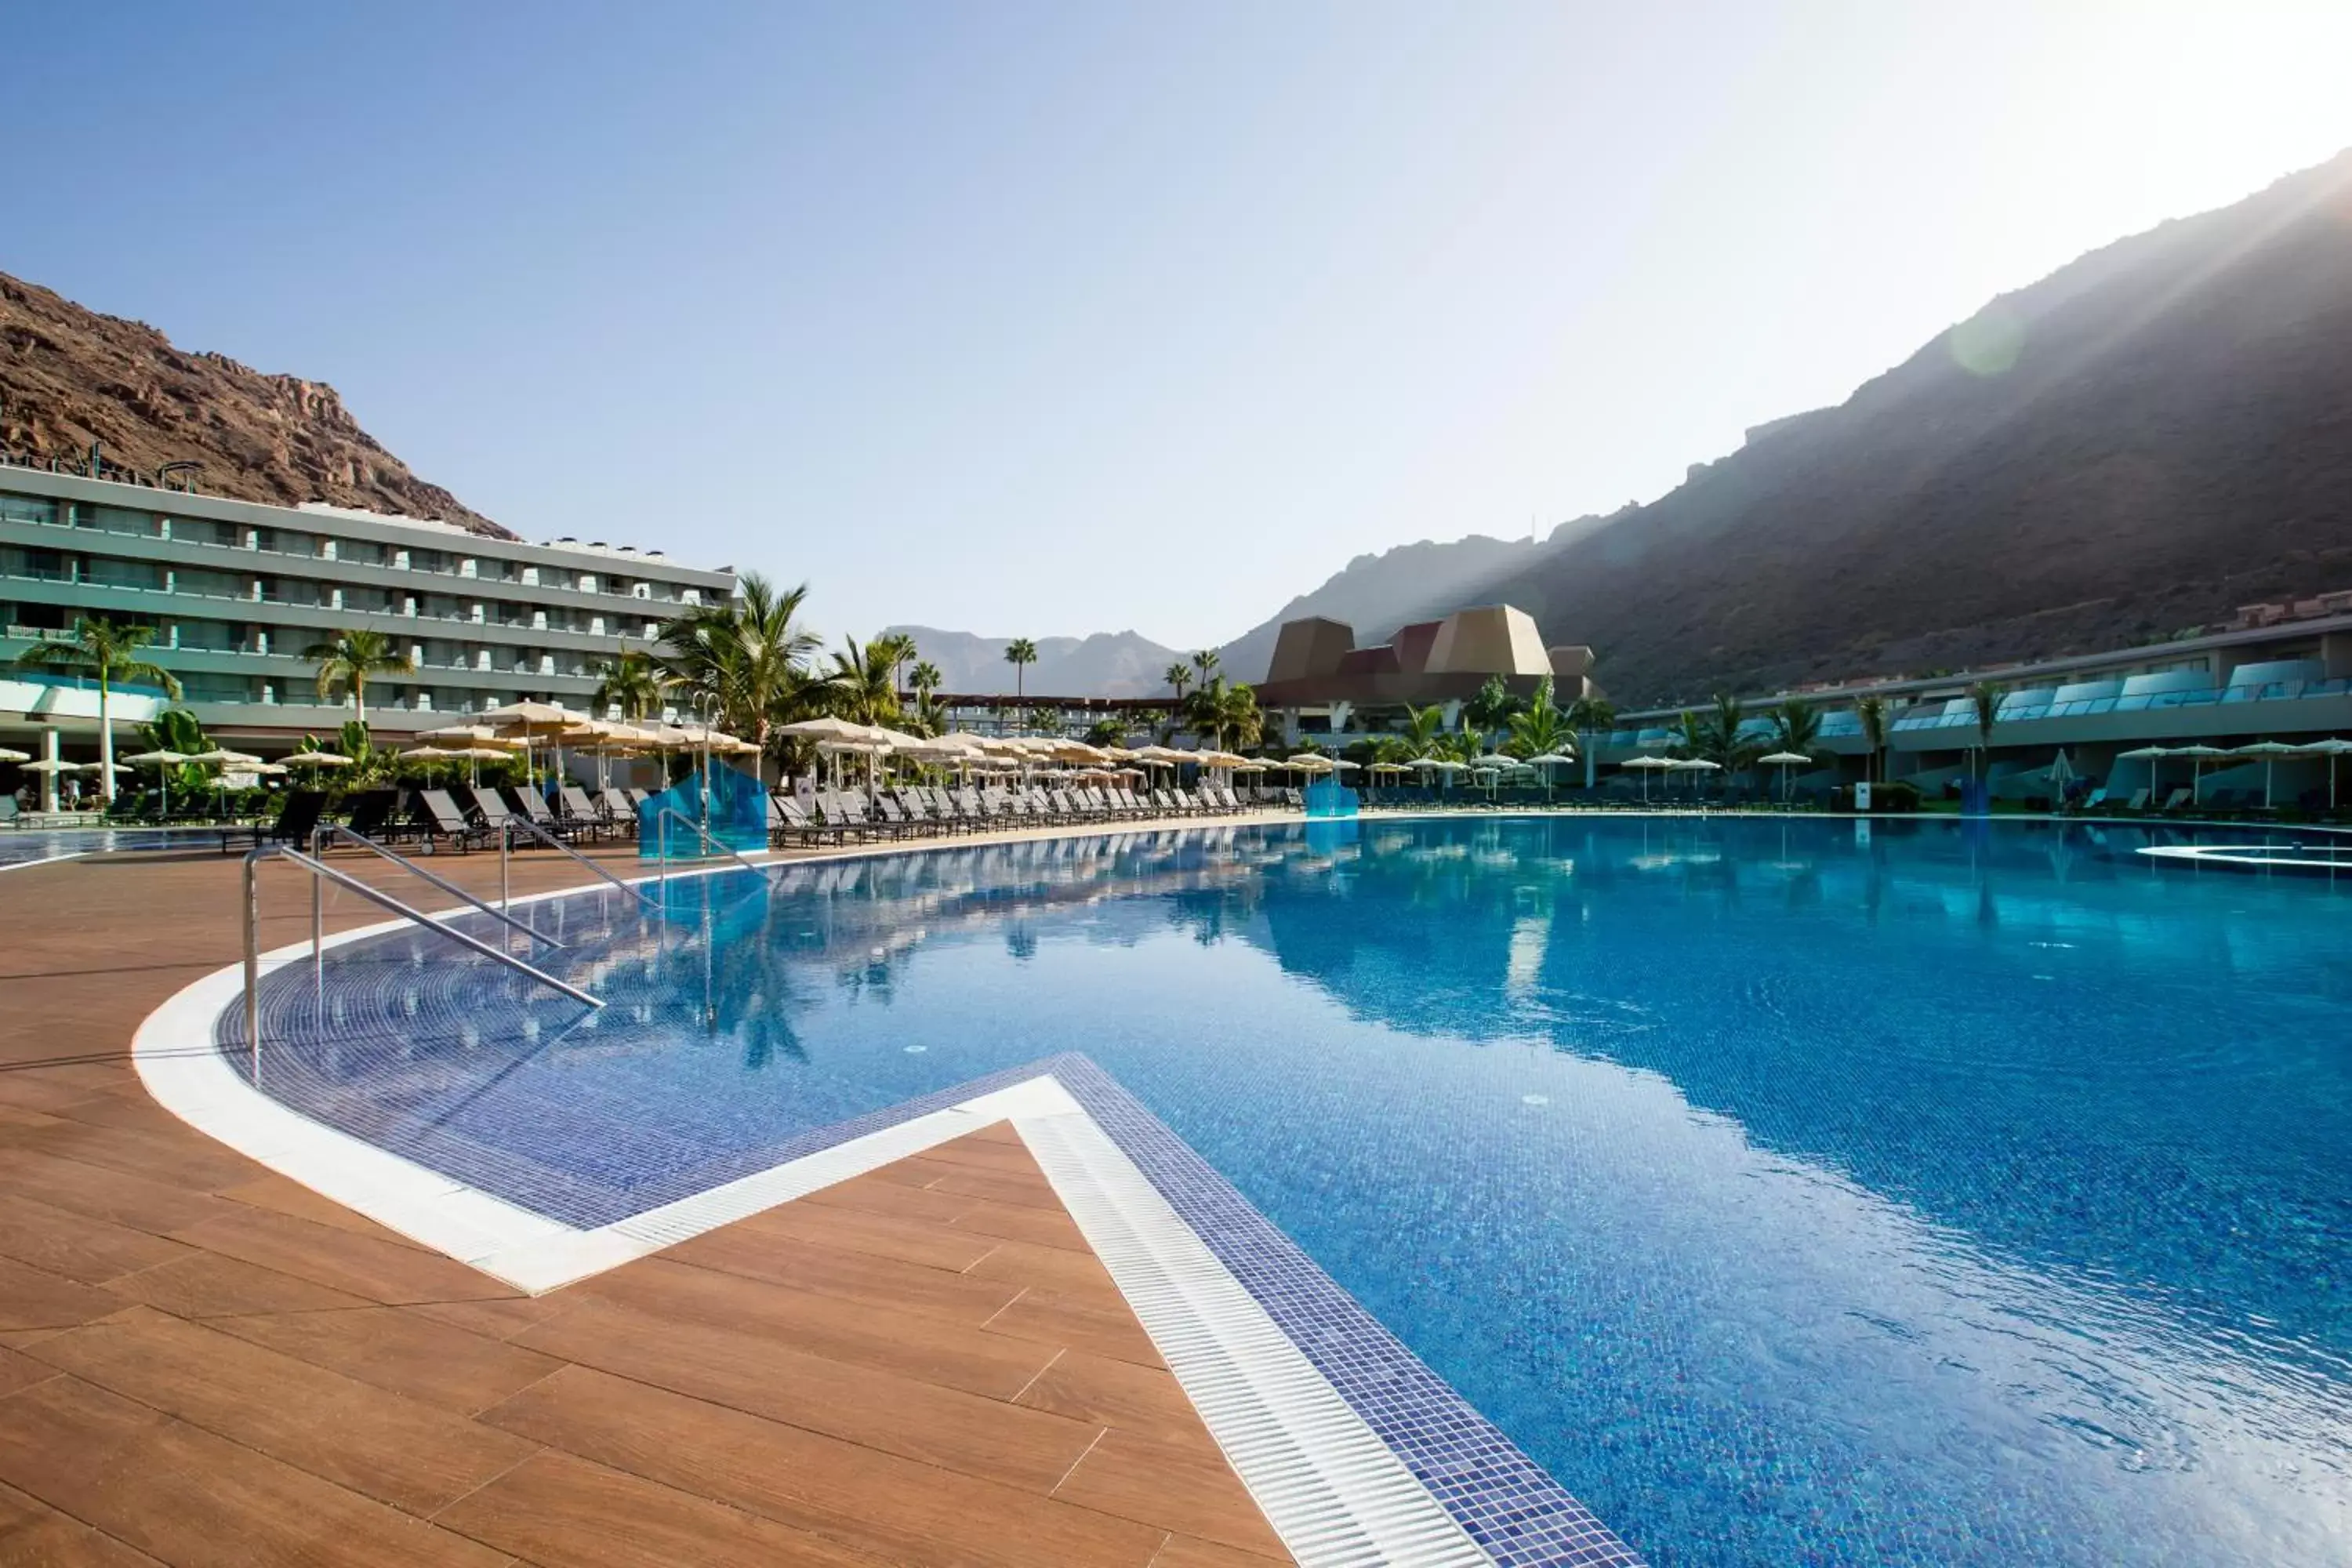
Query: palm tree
pixel 748 658
pixel 1178 675
pixel 1107 732
pixel 925 679
pixel 110 652
pixel 1491 709
pixel 1713 734
pixel 864 690
pixel 1205 661
pixel 1797 727
pixel 1422 726
pixel 1215 709
pixel 1871 712
pixel 1985 698
pixel 629 682
pixel 897 649
pixel 1020 653
pixel 351 657
pixel 1541 728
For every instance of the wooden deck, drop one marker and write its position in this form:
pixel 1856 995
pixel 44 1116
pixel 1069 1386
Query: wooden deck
pixel 203 1362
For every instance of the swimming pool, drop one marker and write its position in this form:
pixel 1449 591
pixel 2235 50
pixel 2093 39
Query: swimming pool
pixel 1793 1190
pixel 39 846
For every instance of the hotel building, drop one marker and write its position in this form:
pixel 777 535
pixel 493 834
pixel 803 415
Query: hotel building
pixel 236 591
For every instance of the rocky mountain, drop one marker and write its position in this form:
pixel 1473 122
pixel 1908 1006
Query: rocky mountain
pixel 1108 664
pixel 71 378
pixel 1377 593
pixel 2152 436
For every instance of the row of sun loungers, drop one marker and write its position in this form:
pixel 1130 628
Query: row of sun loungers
pixel 931 811
pixel 461 818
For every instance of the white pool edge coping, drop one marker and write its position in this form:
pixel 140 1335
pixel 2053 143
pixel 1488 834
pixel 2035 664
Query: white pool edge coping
pixel 1331 1487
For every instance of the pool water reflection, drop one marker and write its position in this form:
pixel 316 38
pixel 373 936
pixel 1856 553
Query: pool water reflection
pixel 1796 1191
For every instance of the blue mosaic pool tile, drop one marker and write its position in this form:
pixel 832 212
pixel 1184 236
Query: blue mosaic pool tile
pixel 1506 1502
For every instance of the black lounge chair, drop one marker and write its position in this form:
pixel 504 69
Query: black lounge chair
pixel 297 820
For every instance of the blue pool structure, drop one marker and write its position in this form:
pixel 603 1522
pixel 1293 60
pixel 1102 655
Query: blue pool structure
pixel 1789 1191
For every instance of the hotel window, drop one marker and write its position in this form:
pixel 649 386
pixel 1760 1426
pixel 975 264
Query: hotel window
pixel 29 509
pixel 116 519
pixel 104 572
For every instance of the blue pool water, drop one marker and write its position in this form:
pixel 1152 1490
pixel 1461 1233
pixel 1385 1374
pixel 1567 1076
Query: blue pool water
pixel 1797 1192
pixel 35 845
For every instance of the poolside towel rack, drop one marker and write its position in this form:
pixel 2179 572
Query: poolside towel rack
pixel 319 870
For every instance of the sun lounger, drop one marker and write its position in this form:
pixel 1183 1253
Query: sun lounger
pixel 439 816
pixel 296 820
pixel 618 809
pixel 581 814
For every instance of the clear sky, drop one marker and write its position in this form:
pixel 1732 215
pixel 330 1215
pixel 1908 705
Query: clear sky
pixel 1040 318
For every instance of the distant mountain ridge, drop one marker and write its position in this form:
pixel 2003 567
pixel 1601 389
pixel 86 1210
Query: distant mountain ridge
pixel 1106 664
pixel 71 377
pixel 2152 436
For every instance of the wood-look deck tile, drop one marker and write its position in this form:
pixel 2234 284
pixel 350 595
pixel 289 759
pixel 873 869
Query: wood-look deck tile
pixel 1050 1317
pixel 928 1242
pixel 498 1318
pixel 191 1164
pixel 1176 1486
pixel 981 1154
pixel 340 1259
pixel 84 1249
pixel 903 1510
pixel 18 1369
pixel 763 1375
pixel 209 1284
pixel 195 1499
pixel 853 1276
pixel 35 1299
pixel 1010 1222
pixel 1014 1189
pixel 929 1349
pixel 1084 1386
pixel 878 1194
pixel 35 1535
pixel 1189 1551
pixel 283 1195
pixel 402 1350
pixel 1076 1274
pixel 411 1454
pixel 556 1508
pixel 104 1194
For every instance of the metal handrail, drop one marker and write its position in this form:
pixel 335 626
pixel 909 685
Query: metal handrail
pixel 544 836
pixel 320 869
pixel 338 831
pixel 708 841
